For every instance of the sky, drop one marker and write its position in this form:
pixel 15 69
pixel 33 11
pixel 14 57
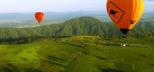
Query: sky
pixel 59 5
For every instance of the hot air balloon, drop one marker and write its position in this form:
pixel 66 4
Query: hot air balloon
pixel 125 13
pixel 39 16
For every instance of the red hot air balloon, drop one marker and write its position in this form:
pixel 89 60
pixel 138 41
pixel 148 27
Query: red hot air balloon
pixel 39 16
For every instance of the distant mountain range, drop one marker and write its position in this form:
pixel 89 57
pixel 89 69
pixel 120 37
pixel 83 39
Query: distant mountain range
pixel 27 19
pixel 20 20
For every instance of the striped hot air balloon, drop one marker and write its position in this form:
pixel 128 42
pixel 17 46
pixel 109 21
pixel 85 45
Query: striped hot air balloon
pixel 125 13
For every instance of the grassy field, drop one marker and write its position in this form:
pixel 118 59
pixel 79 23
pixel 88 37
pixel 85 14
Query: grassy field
pixel 79 54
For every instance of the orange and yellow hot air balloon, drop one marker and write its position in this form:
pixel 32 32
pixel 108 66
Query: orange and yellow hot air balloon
pixel 39 16
pixel 125 13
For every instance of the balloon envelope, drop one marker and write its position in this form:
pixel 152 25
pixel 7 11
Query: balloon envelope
pixel 125 13
pixel 39 16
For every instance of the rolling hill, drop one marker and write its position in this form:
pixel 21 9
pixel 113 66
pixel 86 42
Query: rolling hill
pixel 76 26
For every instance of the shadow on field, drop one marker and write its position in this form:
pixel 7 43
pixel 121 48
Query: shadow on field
pixel 12 68
pixel 110 70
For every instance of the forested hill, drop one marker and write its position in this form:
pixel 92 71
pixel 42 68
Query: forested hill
pixel 76 26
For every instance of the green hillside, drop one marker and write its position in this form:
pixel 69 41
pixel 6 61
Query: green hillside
pixel 72 27
pixel 76 26
pixel 78 54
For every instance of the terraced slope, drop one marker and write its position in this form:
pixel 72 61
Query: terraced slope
pixel 78 54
